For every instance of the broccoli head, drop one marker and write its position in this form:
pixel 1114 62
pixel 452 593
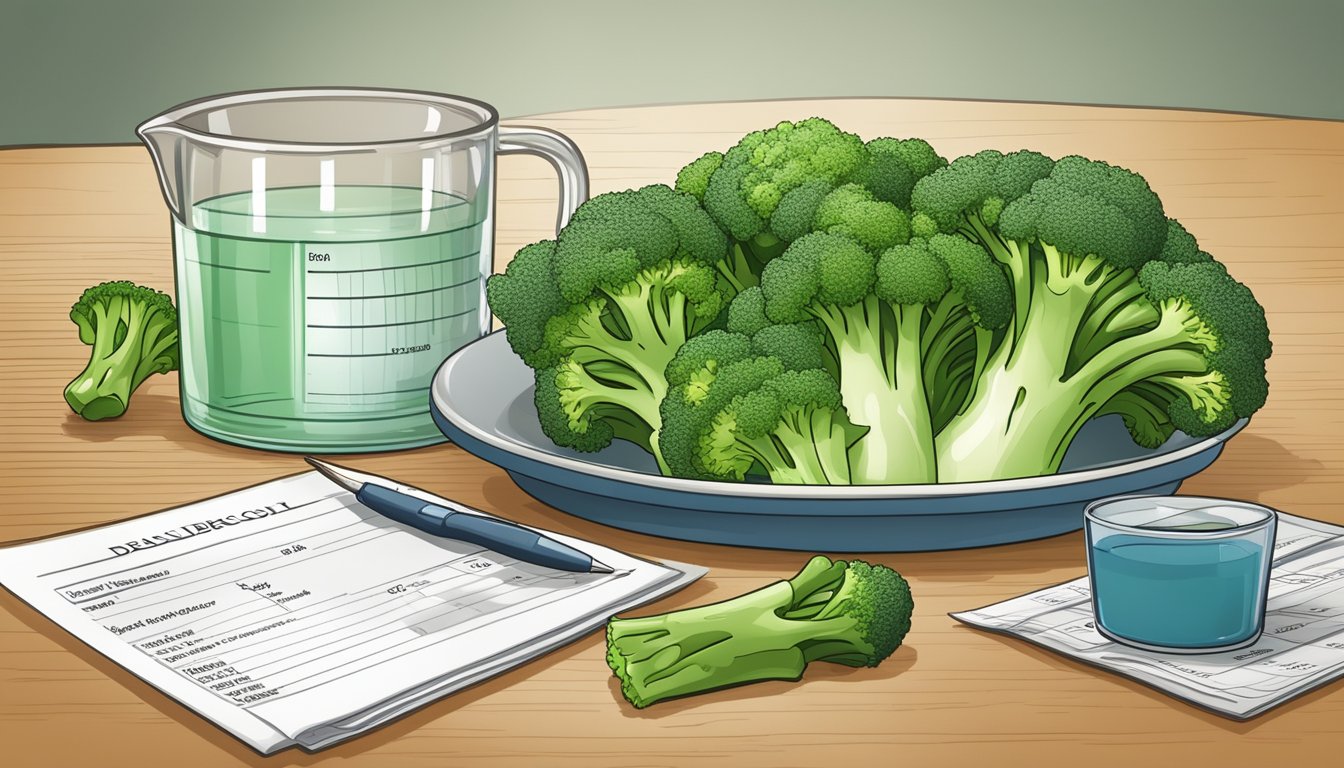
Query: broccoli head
pixel 776 185
pixel 844 612
pixel 599 312
pixel 738 406
pixel 133 333
pixel 903 330
pixel 1115 310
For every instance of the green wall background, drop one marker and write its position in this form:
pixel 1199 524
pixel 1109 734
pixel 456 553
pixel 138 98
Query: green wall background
pixel 87 71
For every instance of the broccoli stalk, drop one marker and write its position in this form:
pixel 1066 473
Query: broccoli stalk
pixel 133 334
pixel 849 613
pixel 888 320
pixel 1108 316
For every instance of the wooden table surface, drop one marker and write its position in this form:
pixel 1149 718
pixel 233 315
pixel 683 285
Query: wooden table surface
pixel 1265 195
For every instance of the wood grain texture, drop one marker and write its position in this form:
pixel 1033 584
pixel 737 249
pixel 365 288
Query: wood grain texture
pixel 1264 195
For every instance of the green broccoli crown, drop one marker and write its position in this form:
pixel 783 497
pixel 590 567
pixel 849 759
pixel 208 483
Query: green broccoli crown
pixel 830 269
pixel 1087 207
pixel 708 352
pixel 760 411
pixel 853 211
pixel 976 278
pixel 819 267
pixel 796 213
pixel 734 405
pixel 132 330
pixel 1180 247
pixel 559 397
pixel 760 170
pixel 691 408
pixel 912 274
pixel 976 186
pixel 85 311
pixel 525 298
pixel 693 391
pixel 875 598
pixel 798 346
pixel 849 613
pixel 615 236
pixel 746 313
pixel 1227 325
pixel 893 167
pixel 600 312
pixel 694 178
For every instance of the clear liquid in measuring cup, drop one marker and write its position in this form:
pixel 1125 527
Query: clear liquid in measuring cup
pixel 318 322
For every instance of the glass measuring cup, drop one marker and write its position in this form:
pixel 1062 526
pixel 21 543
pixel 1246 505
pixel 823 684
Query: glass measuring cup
pixel 330 250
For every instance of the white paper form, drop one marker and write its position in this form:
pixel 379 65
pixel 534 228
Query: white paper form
pixel 290 613
pixel 1302 646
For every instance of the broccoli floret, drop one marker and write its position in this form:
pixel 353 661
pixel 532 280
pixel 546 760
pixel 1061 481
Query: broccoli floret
pixel 694 178
pixel 599 312
pixel 849 613
pixel 894 165
pixel 133 333
pixel 897 328
pixel 769 189
pixel 765 166
pixel 1115 310
pixel 762 405
pixel 853 210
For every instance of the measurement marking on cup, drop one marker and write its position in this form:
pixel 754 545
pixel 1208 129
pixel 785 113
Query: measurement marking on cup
pixel 364 394
pixel 468 281
pixel 227 266
pixel 389 269
pixel 391 325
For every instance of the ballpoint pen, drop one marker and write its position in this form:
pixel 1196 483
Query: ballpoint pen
pixel 461 523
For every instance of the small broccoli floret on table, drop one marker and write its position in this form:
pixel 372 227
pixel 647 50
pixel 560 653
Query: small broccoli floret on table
pixel 132 331
pixel 844 612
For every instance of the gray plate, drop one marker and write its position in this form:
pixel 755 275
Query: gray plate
pixel 482 400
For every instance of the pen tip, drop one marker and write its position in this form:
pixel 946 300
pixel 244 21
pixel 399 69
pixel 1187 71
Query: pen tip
pixel 598 567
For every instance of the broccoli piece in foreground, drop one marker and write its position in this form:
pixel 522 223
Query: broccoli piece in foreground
pixel 849 613
pixel 133 333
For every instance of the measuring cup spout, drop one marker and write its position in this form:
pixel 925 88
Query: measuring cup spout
pixel 166 144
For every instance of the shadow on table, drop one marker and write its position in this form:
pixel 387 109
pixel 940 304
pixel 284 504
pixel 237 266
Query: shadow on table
pixel 1252 466
pixel 903 659
pixel 150 413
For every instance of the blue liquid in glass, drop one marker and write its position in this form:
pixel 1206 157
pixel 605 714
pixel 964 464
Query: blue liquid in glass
pixel 1178 593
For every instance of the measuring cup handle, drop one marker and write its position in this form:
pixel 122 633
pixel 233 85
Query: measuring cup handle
pixel 561 153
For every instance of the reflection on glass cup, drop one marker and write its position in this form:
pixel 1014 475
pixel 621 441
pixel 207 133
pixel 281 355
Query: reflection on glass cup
pixel 1179 574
